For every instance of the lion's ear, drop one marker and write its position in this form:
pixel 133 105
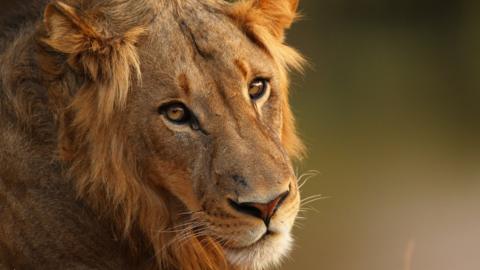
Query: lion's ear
pixel 273 15
pixel 97 49
pixel 68 32
pixel 89 45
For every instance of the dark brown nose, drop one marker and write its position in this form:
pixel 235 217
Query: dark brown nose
pixel 264 211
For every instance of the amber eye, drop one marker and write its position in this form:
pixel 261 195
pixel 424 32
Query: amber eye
pixel 257 88
pixel 177 113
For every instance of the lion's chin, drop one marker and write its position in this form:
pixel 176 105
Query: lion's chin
pixel 264 253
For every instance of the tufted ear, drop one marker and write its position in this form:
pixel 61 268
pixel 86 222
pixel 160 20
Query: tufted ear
pixel 73 32
pixel 102 55
pixel 273 15
pixel 67 31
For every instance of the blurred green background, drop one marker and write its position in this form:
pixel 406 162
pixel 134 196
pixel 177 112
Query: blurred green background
pixel 390 111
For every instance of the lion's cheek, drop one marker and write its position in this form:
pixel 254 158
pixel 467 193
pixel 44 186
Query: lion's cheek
pixel 169 176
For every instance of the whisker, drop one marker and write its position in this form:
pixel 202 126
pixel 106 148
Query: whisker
pixel 311 197
pixel 190 213
pixel 307 209
pixel 312 200
pixel 306 179
pixel 303 175
pixel 181 227
pixel 299 225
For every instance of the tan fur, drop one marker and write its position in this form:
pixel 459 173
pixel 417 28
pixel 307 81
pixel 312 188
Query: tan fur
pixel 99 63
pixel 265 22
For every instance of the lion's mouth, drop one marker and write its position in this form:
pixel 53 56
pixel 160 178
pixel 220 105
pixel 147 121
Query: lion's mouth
pixel 266 236
pixel 267 250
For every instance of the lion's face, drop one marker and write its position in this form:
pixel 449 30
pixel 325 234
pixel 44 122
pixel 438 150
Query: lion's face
pixel 210 112
pixel 207 133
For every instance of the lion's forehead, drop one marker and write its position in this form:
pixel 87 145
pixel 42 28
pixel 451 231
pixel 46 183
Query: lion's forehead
pixel 201 42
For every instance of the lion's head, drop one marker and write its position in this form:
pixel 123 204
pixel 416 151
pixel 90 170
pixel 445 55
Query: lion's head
pixel 174 120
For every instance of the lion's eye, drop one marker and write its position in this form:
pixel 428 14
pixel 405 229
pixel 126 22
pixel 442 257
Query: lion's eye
pixel 177 113
pixel 257 88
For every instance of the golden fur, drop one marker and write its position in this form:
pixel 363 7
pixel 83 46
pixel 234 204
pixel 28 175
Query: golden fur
pixel 92 65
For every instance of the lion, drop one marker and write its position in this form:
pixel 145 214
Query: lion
pixel 147 134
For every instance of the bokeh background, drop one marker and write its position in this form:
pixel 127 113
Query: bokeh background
pixel 390 111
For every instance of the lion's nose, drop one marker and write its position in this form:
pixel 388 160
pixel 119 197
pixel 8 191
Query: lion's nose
pixel 264 211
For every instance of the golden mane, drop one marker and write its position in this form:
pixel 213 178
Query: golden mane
pixel 91 137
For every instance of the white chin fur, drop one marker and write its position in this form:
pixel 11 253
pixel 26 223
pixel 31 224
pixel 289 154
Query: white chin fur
pixel 262 255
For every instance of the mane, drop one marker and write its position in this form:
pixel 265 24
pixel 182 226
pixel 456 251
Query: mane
pixel 92 140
